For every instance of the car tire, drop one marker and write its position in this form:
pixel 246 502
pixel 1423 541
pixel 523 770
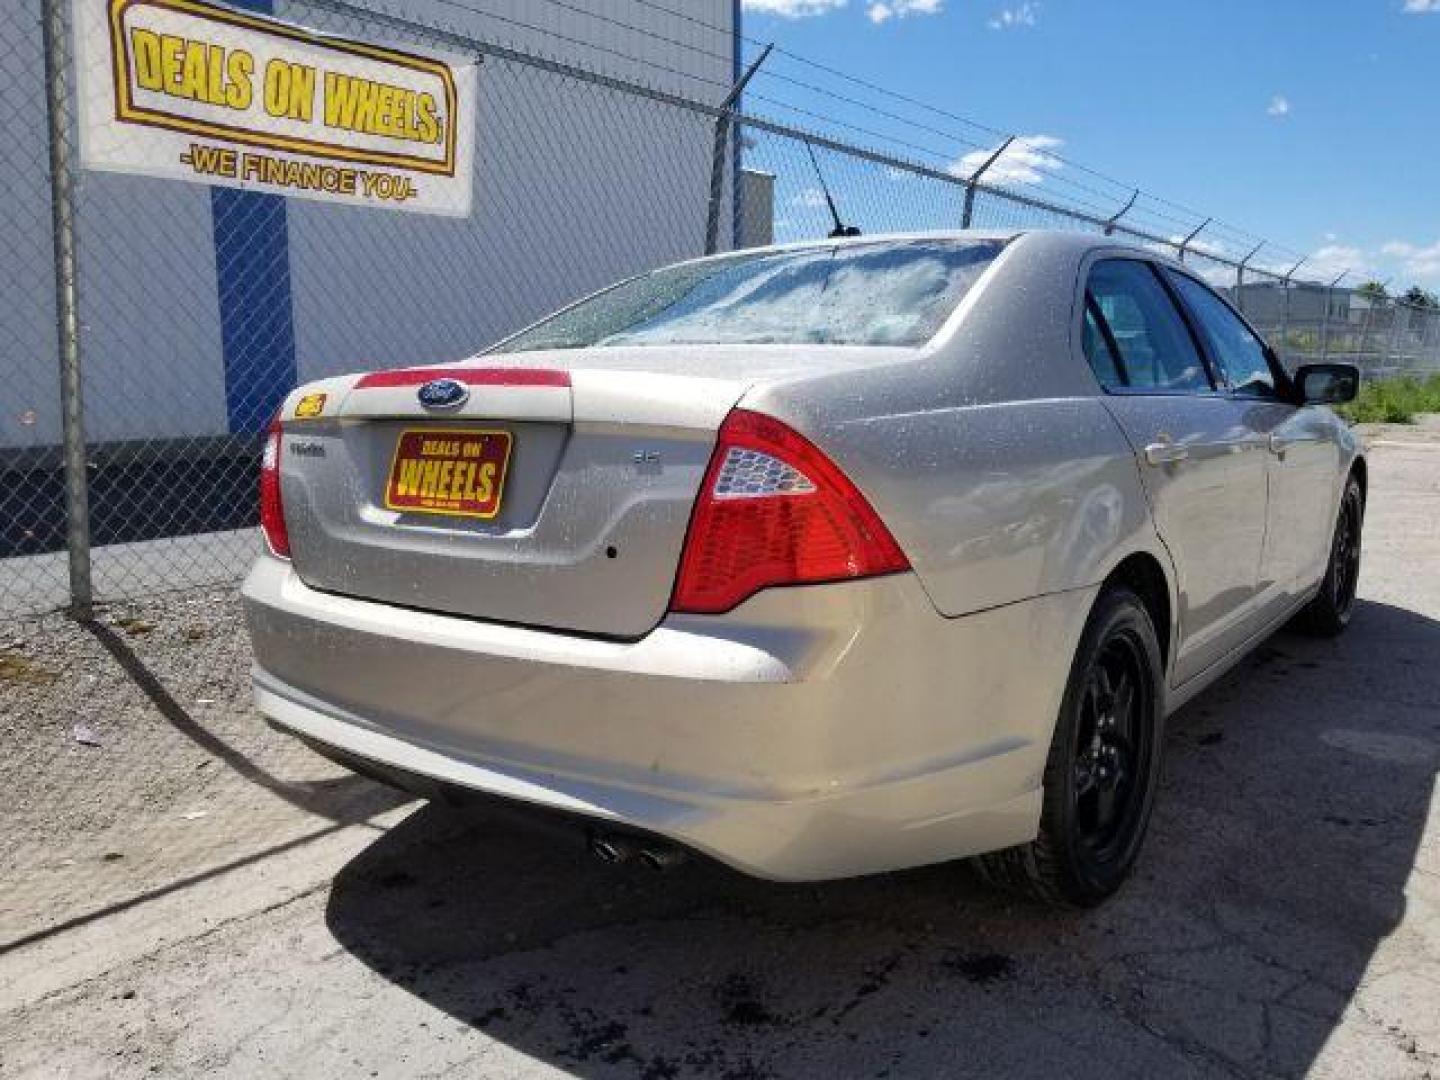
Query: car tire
pixel 1103 768
pixel 1329 612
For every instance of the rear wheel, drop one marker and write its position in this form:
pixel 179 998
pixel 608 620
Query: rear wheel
pixel 1103 767
pixel 1329 613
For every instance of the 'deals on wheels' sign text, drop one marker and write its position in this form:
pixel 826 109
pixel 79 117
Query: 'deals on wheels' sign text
pixel 195 91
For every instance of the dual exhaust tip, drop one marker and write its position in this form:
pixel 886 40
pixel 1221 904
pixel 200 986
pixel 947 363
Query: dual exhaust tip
pixel 616 849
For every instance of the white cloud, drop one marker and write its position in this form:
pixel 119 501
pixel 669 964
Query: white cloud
pixel 884 10
pixel 1421 7
pixel 1420 260
pixel 1026 14
pixel 1327 262
pixel 811 198
pixel 792 9
pixel 1025 161
pixel 1280 104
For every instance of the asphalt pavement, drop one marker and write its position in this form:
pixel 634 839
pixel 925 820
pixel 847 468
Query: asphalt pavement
pixel 1285 918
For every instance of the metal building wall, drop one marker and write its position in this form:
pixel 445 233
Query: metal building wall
pixel 366 287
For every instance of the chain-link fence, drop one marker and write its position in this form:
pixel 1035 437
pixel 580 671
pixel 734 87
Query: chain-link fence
pixel 195 309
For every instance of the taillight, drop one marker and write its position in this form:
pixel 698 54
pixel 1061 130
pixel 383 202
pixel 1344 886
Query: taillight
pixel 272 511
pixel 774 510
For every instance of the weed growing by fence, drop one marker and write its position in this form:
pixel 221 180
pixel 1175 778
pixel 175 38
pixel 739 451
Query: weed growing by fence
pixel 1393 401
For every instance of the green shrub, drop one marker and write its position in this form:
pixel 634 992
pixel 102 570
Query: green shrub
pixel 1393 401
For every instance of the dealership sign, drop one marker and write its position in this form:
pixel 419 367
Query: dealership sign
pixel 194 91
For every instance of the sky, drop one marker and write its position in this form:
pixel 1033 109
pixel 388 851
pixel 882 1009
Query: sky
pixel 1314 125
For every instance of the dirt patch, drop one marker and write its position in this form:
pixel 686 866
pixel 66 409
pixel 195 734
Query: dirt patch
pixel 18 669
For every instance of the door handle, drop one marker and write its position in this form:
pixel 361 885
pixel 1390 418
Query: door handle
pixel 1165 453
pixel 1279 443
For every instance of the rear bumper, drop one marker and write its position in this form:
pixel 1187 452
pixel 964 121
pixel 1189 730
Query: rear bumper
pixel 812 733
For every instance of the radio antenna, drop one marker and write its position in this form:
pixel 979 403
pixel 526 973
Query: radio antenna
pixel 840 229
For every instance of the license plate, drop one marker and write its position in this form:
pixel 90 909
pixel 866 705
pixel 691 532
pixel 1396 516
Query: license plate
pixel 459 472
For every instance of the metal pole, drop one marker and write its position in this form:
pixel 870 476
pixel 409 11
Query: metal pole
pixel 717 158
pixel 1391 307
pixel 1325 326
pixel 975 178
pixel 1114 219
pixel 1240 276
pixel 1390 341
pixel 67 311
pixel 1186 242
pixel 1285 313
pixel 1371 300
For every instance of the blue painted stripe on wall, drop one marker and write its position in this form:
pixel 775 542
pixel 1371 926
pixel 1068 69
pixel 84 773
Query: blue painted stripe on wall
pixel 252 271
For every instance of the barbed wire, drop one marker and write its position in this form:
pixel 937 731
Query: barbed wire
pixel 1146 204
pixel 1123 187
pixel 581 43
pixel 1140 212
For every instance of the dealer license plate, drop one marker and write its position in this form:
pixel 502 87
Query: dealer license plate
pixel 459 472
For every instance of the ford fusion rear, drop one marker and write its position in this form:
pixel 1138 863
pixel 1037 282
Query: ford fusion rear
pixel 819 560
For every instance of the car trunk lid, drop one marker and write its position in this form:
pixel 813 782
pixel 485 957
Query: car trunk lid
pixel 594 471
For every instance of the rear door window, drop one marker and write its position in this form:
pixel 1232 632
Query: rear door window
pixel 1143 331
pixel 1238 352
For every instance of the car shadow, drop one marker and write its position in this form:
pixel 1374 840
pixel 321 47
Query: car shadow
pixel 344 800
pixel 1295 797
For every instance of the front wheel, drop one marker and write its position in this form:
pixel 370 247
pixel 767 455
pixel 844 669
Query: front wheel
pixel 1103 767
pixel 1329 613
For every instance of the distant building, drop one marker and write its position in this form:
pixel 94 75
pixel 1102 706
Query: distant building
pixel 1265 304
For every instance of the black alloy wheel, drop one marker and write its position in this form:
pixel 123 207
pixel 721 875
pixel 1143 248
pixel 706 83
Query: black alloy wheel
pixel 1330 611
pixel 1103 768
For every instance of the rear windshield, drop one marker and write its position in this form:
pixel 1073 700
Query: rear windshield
pixel 886 293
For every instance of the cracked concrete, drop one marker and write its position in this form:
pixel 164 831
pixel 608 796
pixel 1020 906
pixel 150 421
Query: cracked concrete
pixel 1285 920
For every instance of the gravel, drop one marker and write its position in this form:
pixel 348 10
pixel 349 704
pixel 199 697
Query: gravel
pixel 121 735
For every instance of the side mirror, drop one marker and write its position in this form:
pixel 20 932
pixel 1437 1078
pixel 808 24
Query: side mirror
pixel 1327 384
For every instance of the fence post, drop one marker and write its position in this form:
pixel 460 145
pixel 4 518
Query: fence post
pixel 1285 311
pixel 1325 326
pixel 1240 277
pixel 974 178
pixel 1185 244
pixel 1114 219
pixel 1362 352
pixel 717 157
pixel 67 310
pixel 1390 338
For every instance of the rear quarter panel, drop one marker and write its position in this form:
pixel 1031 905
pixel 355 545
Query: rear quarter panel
pixel 990 454
pixel 997 504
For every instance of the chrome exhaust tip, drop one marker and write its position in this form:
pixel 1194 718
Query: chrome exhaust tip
pixel 611 849
pixel 662 858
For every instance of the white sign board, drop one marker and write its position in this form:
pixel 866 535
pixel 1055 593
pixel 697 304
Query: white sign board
pixel 194 91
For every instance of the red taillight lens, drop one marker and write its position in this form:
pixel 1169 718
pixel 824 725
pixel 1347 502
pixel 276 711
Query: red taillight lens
pixel 773 510
pixel 272 511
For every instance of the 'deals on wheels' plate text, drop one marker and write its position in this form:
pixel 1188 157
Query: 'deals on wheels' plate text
pixel 458 472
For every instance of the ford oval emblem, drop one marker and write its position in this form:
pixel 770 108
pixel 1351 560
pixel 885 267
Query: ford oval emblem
pixel 443 394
